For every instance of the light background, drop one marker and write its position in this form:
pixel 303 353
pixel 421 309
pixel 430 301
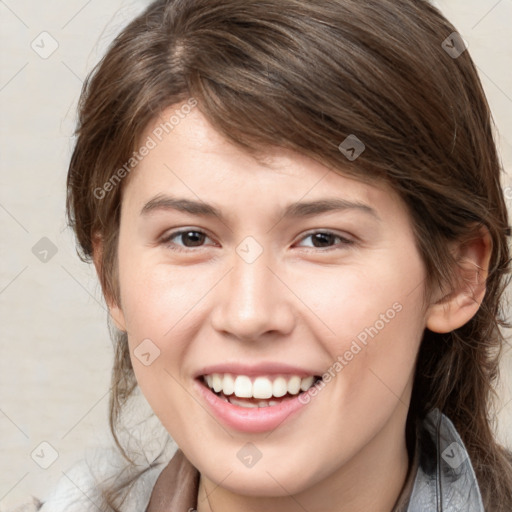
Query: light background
pixel 55 348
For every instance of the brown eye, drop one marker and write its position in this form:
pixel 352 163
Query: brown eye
pixel 189 237
pixel 326 239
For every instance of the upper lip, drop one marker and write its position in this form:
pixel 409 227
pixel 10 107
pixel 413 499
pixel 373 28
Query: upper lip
pixel 264 368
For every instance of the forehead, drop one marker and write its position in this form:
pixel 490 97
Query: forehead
pixel 192 158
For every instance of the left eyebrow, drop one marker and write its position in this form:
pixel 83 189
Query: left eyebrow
pixel 295 210
pixel 308 209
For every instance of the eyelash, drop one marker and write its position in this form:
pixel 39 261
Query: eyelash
pixel 174 247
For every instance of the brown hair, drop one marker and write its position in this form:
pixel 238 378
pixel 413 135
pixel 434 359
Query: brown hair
pixel 305 75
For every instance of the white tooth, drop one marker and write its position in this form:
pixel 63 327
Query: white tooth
pixel 263 403
pixel 228 384
pixel 262 388
pixel 273 402
pixel 306 383
pixel 242 403
pixel 243 387
pixel 209 381
pixel 217 382
pixel 294 385
pixel 279 387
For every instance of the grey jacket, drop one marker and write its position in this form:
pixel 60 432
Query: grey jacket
pixel 441 479
pixel 445 480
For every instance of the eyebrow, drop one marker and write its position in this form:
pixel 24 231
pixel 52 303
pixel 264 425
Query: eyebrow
pixel 293 210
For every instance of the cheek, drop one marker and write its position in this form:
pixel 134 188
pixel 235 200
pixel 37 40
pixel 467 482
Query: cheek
pixel 375 324
pixel 164 311
pixel 358 300
pixel 157 297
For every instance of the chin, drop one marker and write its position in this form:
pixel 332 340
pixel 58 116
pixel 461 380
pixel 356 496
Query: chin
pixel 263 484
pixel 271 479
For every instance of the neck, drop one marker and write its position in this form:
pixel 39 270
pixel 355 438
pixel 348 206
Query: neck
pixel 372 480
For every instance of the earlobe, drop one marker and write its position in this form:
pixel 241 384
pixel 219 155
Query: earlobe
pixel 114 310
pixel 457 308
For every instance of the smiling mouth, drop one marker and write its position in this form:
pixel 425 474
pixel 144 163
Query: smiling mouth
pixel 252 392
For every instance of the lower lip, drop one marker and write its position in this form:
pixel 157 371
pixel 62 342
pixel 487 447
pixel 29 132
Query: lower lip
pixel 245 419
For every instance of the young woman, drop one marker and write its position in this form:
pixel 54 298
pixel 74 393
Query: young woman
pixel 295 213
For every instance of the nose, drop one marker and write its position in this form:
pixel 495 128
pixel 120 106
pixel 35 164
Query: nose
pixel 253 301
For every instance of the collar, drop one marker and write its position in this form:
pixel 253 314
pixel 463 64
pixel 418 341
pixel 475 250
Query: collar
pixel 445 480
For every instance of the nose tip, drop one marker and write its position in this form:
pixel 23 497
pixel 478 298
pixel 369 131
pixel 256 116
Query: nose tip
pixel 252 302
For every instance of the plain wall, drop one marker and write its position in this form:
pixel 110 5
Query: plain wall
pixel 56 353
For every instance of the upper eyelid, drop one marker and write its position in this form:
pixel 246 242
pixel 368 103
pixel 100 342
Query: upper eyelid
pixel 166 236
pixel 328 231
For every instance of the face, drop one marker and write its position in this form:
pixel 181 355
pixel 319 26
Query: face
pixel 263 298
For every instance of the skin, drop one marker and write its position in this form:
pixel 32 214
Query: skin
pixel 298 303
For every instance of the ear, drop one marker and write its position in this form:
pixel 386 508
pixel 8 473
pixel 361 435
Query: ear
pixel 115 311
pixel 458 307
